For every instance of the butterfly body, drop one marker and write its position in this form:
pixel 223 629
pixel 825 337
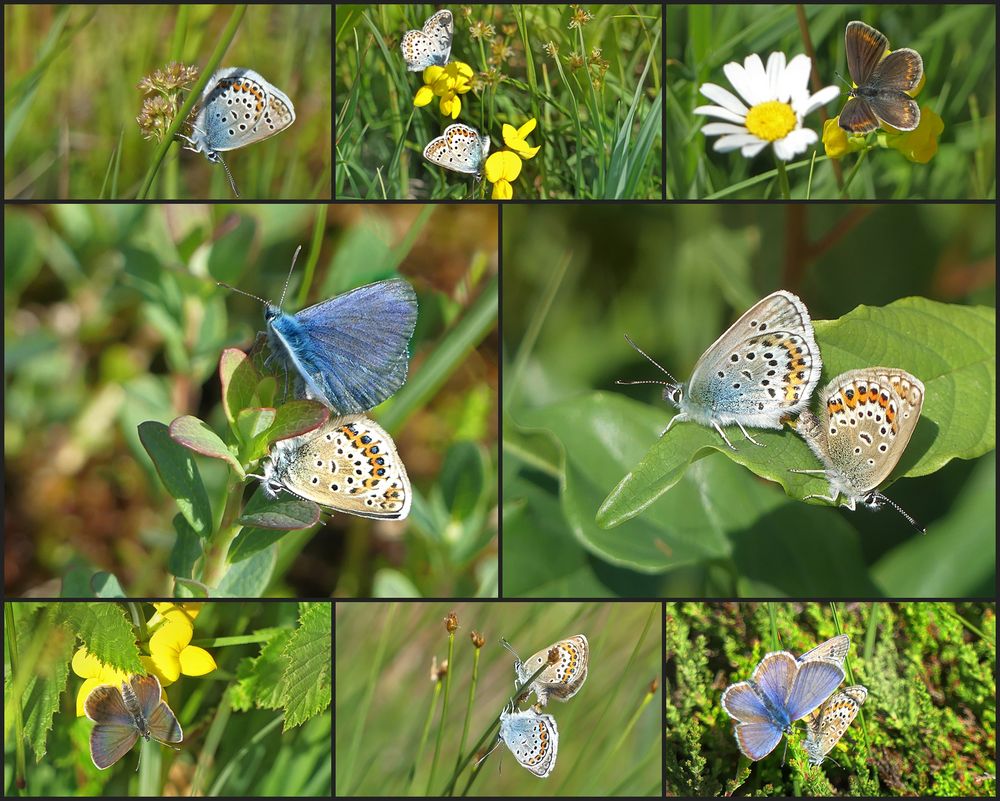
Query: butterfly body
pixel 827 725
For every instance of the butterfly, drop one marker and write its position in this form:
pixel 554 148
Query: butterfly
pixel 761 370
pixel 562 680
pixel 349 465
pixel 827 725
pixel 238 107
pixel 780 691
pixel 532 738
pixel 124 714
pixel 882 83
pixel 430 46
pixel 459 149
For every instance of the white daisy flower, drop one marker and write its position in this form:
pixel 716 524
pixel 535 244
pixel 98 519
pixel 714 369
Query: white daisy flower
pixel 778 99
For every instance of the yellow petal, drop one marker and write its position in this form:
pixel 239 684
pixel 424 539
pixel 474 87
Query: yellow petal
pixel 461 68
pixel 527 128
pixel 423 96
pixel 502 190
pixel 196 661
pixel 432 73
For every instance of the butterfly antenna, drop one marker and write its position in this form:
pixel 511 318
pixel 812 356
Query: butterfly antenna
pixel 229 175
pixel 507 645
pixel 909 518
pixel 289 278
pixel 234 289
pixel 652 361
pixel 494 748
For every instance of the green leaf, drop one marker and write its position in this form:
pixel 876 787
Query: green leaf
pixel 106 585
pixel 187 550
pixel 308 678
pixel 950 348
pixel 393 584
pixel 251 540
pixel 250 577
pixel 179 475
pixel 287 513
pixel 195 435
pixel 239 380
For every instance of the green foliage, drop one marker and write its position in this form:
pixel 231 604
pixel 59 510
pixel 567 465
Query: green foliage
pixel 71 76
pixel 958 46
pixel 595 91
pixel 152 342
pixel 608 732
pixel 596 503
pixel 283 664
pixel 928 726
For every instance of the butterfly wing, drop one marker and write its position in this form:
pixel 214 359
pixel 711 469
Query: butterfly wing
pixel 160 720
pixel 835 649
pixel 814 682
pixel 231 106
pixel 351 351
pixel 430 46
pixel 115 732
pixel 825 727
pixel 898 73
pixel 533 739
pixel 564 679
pixel 757 740
pixel 858 117
pixel 864 47
pixel 349 465
pixel 769 364
pixel 459 149
pixel 742 703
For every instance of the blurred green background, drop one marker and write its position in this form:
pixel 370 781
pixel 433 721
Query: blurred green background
pixel 239 736
pixel 112 317
pixel 927 728
pixel 591 75
pixel 958 47
pixel 609 732
pixel 577 278
pixel 71 98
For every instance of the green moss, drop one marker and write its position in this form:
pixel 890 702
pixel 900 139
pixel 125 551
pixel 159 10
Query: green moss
pixel 927 728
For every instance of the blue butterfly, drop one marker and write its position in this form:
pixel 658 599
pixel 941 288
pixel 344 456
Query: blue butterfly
pixel 351 351
pixel 781 691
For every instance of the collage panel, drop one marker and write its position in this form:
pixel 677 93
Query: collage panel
pixel 429 699
pixel 690 404
pixel 831 101
pixel 207 698
pixel 167 435
pixel 840 699
pixel 156 101
pixel 529 102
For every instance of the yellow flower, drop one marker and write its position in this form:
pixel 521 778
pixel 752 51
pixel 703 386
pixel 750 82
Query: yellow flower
pixel 920 144
pixel 515 139
pixel 171 653
pixel 837 143
pixel 501 169
pixel 448 83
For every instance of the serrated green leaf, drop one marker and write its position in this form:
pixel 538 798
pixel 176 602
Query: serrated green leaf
pixel 308 678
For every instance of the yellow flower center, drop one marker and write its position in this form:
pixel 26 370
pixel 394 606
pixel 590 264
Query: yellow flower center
pixel 771 121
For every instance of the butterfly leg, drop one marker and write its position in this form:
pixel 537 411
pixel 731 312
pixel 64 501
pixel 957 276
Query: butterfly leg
pixel 745 434
pixel 677 418
pixel 722 434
